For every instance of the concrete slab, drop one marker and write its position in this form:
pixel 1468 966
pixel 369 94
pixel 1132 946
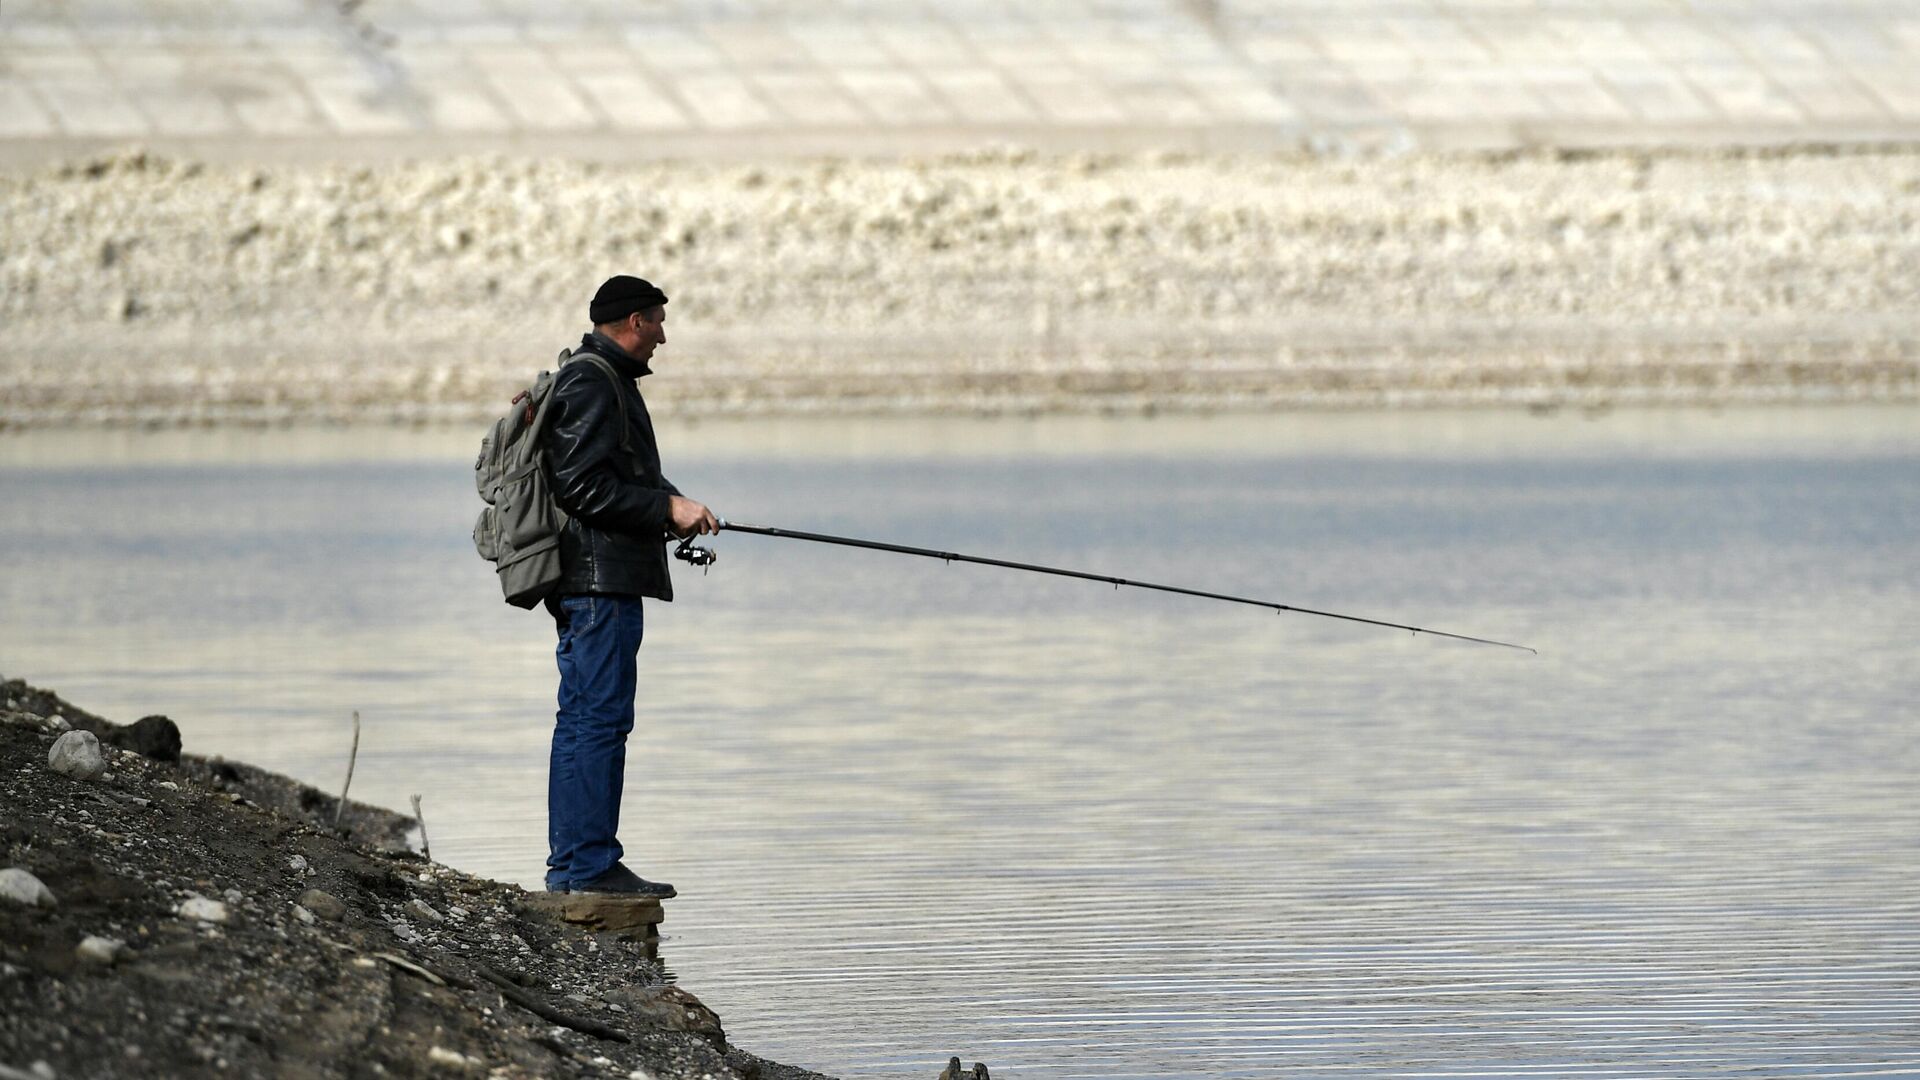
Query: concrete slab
pixel 22 115
pixel 895 97
pixel 1067 97
pixel 810 98
pixel 721 101
pixel 980 96
pixel 870 73
pixel 90 105
pixel 632 102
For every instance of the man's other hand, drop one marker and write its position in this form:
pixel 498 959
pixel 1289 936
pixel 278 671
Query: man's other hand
pixel 689 518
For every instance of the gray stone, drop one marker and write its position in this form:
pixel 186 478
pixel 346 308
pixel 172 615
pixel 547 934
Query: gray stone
pixel 77 754
pixel 669 1008
pixel 104 951
pixel 22 887
pixel 323 904
pixel 154 737
pixel 203 909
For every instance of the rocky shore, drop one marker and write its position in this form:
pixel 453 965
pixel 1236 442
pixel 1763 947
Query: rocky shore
pixel 137 289
pixel 167 915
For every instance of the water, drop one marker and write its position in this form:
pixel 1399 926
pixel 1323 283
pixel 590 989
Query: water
pixel 917 810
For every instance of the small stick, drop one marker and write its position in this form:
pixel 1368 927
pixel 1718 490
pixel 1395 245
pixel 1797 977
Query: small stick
pixel 425 848
pixel 352 756
pixel 510 991
pixel 547 1012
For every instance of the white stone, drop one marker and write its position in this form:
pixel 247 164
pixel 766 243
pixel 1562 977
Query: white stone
pixel 203 909
pixel 298 864
pixel 440 1055
pixel 23 888
pixel 94 949
pixel 426 911
pixel 77 754
pixel 304 915
pixel 59 723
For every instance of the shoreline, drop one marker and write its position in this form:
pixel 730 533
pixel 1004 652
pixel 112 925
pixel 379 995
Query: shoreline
pixel 228 928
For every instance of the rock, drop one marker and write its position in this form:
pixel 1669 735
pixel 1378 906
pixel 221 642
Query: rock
pixel 22 887
pixel 297 864
pixel 305 916
pixel 426 911
pixel 203 909
pixel 58 723
pixel 155 737
pixel 77 754
pixel 626 917
pixel 94 949
pixel 669 1008
pixel 323 904
pixel 953 1071
pixel 453 1059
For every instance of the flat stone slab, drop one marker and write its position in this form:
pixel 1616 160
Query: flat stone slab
pixel 626 917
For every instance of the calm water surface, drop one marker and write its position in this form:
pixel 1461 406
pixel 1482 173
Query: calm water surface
pixel 917 810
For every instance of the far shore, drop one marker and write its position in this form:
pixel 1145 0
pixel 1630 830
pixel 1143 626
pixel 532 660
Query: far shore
pixel 143 290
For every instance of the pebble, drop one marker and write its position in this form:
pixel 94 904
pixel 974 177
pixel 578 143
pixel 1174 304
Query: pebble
pixel 298 864
pixel 77 754
pixel 203 909
pixel 440 1055
pixel 305 916
pixel 94 949
pixel 59 723
pixel 323 904
pixel 426 910
pixel 22 887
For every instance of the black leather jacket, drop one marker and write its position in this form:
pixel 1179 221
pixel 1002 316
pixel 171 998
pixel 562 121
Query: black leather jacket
pixel 615 498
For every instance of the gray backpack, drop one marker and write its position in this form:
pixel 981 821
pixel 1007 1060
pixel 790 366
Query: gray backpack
pixel 519 530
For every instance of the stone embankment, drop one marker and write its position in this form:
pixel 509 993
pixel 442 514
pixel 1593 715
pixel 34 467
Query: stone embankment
pixel 165 915
pixel 141 290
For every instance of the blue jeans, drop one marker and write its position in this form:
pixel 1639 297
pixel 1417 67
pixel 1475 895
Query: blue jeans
pixel 598 656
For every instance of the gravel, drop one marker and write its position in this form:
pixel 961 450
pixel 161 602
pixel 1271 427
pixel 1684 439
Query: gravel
pixel 139 971
pixel 138 289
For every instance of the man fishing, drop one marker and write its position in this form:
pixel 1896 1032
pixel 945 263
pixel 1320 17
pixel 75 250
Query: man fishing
pixel 605 470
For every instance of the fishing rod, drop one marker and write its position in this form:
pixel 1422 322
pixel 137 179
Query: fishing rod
pixel 688 552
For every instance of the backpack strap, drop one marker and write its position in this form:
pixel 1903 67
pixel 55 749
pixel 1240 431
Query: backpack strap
pixel 626 434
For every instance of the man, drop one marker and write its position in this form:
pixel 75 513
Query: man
pixel 605 469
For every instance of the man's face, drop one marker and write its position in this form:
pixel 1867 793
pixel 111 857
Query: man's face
pixel 649 330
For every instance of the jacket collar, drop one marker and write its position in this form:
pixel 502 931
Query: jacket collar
pixel 624 362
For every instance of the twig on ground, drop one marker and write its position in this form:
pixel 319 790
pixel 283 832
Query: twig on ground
pixel 352 756
pixel 425 848
pixel 511 991
pixel 545 1011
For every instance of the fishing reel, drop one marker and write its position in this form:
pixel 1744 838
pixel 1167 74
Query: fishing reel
pixel 694 555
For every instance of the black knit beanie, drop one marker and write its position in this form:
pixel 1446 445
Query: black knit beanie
pixel 621 296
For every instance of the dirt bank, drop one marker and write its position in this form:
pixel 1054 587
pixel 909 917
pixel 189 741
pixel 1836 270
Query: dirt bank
pixel 139 289
pixel 183 934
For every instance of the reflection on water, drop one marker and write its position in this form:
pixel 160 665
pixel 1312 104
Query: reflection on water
pixel 917 810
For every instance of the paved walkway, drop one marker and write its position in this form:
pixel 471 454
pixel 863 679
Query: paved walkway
pixel 740 78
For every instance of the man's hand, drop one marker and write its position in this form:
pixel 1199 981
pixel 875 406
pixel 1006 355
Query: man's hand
pixel 688 518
